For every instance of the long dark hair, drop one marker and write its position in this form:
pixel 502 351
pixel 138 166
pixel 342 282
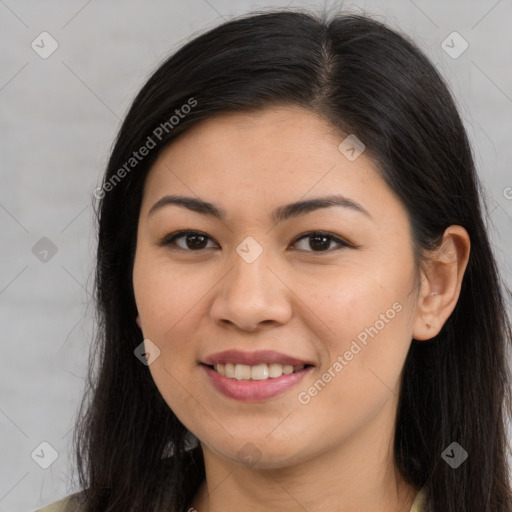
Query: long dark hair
pixel 132 452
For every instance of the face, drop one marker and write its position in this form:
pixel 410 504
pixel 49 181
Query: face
pixel 328 287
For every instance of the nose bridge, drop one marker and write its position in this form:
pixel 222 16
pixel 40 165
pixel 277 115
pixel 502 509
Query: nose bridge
pixel 251 275
pixel 251 292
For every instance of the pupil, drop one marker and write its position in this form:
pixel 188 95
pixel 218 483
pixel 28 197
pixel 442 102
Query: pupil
pixel 195 237
pixel 312 244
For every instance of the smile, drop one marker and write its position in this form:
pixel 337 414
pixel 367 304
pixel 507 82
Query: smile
pixel 245 388
pixel 256 372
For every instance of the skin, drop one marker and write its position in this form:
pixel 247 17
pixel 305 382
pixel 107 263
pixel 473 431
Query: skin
pixel 335 452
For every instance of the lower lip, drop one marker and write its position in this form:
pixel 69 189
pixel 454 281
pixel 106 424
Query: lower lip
pixel 254 390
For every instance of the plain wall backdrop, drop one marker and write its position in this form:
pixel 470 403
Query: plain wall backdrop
pixel 60 113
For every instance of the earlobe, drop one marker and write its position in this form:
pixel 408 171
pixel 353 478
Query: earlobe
pixel 441 283
pixel 138 321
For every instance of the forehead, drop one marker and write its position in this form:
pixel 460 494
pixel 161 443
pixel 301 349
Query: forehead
pixel 263 158
pixel 261 128
pixel 286 140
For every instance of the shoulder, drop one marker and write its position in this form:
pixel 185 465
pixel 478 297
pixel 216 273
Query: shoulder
pixel 68 504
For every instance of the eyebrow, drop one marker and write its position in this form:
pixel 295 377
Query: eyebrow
pixel 280 214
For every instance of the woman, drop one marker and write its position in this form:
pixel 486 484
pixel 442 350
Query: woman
pixel 299 307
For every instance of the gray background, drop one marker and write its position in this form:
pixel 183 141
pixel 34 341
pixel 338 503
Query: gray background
pixel 58 119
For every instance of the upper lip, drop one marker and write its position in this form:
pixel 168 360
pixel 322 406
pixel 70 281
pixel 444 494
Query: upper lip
pixel 254 358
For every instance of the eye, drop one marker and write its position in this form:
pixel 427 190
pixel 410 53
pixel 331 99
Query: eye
pixel 194 241
pixel 320 240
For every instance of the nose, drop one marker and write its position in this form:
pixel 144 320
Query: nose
pixel 252 295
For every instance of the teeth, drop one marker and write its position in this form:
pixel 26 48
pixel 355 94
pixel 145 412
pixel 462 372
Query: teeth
pixel 275 370
pixel 229 370
pixel 242 372
pixel 257 372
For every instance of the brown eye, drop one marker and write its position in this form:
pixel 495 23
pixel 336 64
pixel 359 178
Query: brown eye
pixel 194 241
pixel 320 241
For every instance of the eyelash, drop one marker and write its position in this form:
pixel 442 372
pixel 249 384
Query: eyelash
pixel 170 239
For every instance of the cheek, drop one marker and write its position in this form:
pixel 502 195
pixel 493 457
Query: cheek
pixel 169 301
pixel 362 371
pixel 357 303
pixel 368 336
pixel 165 295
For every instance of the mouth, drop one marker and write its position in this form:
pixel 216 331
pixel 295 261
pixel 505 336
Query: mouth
pixel 264 371
pixel 257 383
pixel 254 376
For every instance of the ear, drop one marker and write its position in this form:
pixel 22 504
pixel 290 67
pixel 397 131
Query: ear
pixel 138 321
pixel 441 281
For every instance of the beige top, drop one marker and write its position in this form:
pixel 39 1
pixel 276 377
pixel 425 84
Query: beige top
pixel 59 506
pixel 419 501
